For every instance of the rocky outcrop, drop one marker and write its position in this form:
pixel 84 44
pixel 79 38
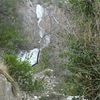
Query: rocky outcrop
pixel 8 87
pixel 50 82
pixel 54 20
pixel 27 16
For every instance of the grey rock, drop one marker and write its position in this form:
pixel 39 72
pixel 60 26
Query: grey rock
pixel 6 90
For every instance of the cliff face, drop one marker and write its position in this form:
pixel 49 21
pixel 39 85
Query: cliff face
pixel 54 20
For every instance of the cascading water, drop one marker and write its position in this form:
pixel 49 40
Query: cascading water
pixel 33 55
pixel 44 39
pixel 39 14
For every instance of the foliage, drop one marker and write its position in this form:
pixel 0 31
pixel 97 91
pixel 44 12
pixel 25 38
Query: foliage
pixel 7 9
pixel 70 86
pixel 48 73
pixel 38 85
pixel 86 7
pixel 45 57
pixel 83 50
pixel 88 14
pixel 84 63
pixel 22 73
pixel 10 37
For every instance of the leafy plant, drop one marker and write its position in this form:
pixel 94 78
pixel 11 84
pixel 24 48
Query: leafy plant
pixel 22 74
pixel 38 85
pixel 84 48
pixel 84 63
pixel 10 36
pixel 20 71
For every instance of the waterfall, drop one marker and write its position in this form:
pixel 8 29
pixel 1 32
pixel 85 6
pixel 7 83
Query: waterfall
pixel 44 38
pixel 39 11
pixel 32 56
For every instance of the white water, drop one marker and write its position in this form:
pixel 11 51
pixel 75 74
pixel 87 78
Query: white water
pixel 39 11
pixel 43 37
pixel 39 14
pixel 32 55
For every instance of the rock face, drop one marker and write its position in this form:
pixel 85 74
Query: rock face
pixel 47 30
pixel 6 89
pixel 53 20
pixel 27 16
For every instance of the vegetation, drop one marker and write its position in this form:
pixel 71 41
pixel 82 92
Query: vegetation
pixel 80 58
pixel 22 74
pixel 20 71
pixel 84 62
pixel 48 73
pixel 10 37
pixel 84 52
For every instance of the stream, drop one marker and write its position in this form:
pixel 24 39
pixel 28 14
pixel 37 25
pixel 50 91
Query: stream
pixel 32 56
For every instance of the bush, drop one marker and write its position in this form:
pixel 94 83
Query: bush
pixel 70 87
pixel 84 63
pixel 10 37
pixel 20 71
pixel 84 48
pixel 22 74
pixel 38 85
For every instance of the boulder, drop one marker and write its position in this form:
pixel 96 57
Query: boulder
pixel 8 87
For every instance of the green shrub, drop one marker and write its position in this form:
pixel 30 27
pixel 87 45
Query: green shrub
pixel 84 49
pixel 70 86
pixel 10 37
pixel 84 63
pixel 38 85
pixel 20 71
pixel 22 74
